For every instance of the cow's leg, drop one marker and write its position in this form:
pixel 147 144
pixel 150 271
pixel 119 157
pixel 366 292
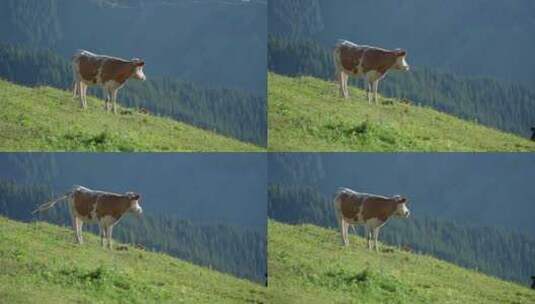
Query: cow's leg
pixel 340 83
pixel 346 91
pixel 83 94
pixel 114 100
pixel 107 96
pixel 375 86
pixel 369 91
pixel 102 230
pixel 74 88
pixel 343 231
pixel 75 227
pixel 375 237
pixel 108 235
pixel 78 226
pixel 368 233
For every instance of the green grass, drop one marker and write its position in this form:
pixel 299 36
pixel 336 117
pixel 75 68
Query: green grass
pixel 47 119
pixel 40 263
pixel 307 114
pixel 308 264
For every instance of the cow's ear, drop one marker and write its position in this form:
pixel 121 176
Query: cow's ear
pixel 401 53
pixel 139 63
pixel 401 200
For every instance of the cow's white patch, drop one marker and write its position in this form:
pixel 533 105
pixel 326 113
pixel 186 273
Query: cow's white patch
pixel 139 73
pixel 401 64
pixel 136 208
pixel 402 210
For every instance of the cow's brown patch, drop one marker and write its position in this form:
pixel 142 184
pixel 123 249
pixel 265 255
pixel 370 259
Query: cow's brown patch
pixel 378 60
pixel 350 205
pixel 350 57
pixel 112 205
pixel 84 203
pixel 117 70
pixel 107 204
pixel 88 67
pixel 380 208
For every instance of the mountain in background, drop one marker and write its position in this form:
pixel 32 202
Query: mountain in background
pixel 231 112
pixel 209 42
pixel 464 207
pixel 480 38
pixel 470 60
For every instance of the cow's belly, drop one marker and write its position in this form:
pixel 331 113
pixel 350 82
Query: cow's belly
pixel 91 82
pixel 354 221
pixel 371 222
pixel 88 220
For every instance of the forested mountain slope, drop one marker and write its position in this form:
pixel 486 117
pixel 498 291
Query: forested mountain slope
pixel 179 39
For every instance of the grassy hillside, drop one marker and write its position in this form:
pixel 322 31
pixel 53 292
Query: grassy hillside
pixel 307 264
pixel 47 119
pixel 39 261
pixel 307 114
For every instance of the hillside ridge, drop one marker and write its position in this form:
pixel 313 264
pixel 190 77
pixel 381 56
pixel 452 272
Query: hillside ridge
pixel 306 113
pixel 49 119
pixel 308 264
pixel 43 261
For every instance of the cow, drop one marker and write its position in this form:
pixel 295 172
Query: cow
pixel 92 206
pixel 533 133
pixel 370 210
pixel 110 73
pixel 533 283
pixel 362 60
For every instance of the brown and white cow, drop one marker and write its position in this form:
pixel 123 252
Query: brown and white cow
pixel 370 62
pixel 110 73
pixel 370 210
pixel 91 206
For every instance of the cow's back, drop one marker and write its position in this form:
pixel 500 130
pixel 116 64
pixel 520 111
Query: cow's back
pixel 87 66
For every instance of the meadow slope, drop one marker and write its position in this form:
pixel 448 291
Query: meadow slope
pixel 307 114
pixel 308 264
pixel 39 261
pixel 48 119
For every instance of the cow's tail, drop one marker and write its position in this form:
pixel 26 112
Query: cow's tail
pixel 51 203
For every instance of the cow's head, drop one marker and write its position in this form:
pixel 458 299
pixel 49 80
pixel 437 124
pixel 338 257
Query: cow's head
pixel 135 200
pixel 401 63
pixel 138 69
pixel 401 206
